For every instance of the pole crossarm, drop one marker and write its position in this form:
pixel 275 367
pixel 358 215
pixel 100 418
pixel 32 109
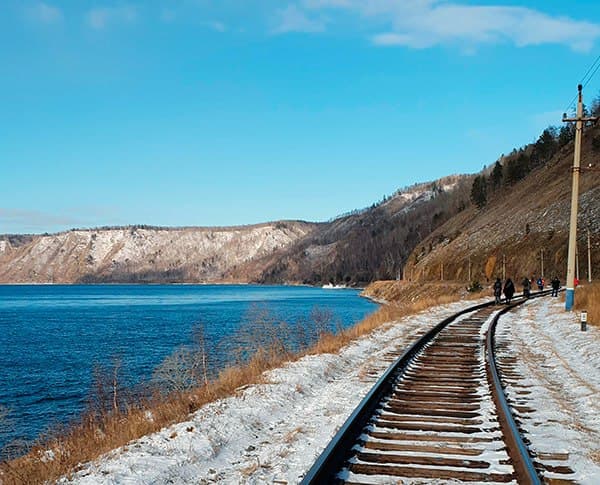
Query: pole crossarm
pixel 593 119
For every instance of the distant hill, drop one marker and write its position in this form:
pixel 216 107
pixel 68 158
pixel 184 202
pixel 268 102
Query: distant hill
pixel 142 254
pixel 513 210
pixel 373 243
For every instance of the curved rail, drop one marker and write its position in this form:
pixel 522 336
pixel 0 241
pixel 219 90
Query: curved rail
pixel 332 459
pixel 522 462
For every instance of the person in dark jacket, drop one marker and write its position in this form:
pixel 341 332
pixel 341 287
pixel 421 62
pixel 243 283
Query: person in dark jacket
pixel 555 286
pixel 509 290
pixel 526 287
pixel 498 290
pixel 540 283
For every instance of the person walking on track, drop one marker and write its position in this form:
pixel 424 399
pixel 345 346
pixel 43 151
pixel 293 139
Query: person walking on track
pixel 498 290
pixel 509 290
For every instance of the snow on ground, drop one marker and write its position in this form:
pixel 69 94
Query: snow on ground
pixel 267 433
pixel 273 432
pixel 560 366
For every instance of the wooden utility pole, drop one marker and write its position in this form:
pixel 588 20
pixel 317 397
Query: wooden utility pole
pixel 442 271
pixel 589 257
pixel 579 121
pixel 504 267
pixel 542 256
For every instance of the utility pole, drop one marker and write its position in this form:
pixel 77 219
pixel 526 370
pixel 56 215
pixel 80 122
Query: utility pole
pixel 589 257
pixel 442 271
pixel 504 267
pixel 577 265
pixel 542 256
pixel 579 120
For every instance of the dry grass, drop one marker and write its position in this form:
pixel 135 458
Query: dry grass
pixel 101 431
pixel 406 293
pixel 588 298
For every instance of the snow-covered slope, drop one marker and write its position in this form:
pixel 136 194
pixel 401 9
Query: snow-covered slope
pixel 145 254
pixel 273 432
pixel 269 432
pixel 559 386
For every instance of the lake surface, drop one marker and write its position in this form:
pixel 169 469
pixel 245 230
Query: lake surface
pixel 52 337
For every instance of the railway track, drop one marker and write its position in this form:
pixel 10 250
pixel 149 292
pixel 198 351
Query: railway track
pixel 438 413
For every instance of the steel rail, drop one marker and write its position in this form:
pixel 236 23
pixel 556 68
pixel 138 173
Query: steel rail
pixel 517 450
pixel 333 457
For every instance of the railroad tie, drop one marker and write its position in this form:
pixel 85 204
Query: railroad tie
pixel 439 421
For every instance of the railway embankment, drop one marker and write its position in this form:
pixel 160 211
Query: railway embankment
pixel 273 431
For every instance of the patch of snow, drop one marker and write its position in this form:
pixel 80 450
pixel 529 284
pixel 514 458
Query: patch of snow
pixel 559 367
pixel 267 432
pixel 273 432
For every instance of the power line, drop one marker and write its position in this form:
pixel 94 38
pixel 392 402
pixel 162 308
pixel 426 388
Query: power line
pixel 593 73
pixel 593 69
pixel 590 68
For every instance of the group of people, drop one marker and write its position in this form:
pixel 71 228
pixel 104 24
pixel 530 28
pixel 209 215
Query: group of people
pixel 509 287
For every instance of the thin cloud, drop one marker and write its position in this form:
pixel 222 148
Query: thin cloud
pixel 294 19
pixel 44 13
pixel 100 18
pixel 422 24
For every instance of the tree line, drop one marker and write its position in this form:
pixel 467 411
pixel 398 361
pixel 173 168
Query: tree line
pixel 519 163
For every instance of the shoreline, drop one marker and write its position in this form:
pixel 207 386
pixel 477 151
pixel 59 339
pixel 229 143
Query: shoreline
pixel 211 283
pixel 302 302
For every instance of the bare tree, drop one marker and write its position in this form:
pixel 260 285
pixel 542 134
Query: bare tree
pixel 188 367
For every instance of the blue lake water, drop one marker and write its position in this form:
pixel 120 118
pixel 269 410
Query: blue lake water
pixel 52 337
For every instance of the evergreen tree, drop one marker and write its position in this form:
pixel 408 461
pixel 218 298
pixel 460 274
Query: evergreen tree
pixel 566 134
pixel 595 107
pixel 479 191
pixel 516 169
pixel 546 146
pixel 496 175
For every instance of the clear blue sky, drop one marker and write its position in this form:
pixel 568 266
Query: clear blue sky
pixel 222 112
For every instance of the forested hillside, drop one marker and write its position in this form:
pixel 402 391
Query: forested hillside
pixel 513 210
pixel 511 215
pixel 518 222
pixel 373 243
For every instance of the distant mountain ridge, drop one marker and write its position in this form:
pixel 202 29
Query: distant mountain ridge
pixel 373 243
pixel 261 253
pixel 142 254
pixel 459 227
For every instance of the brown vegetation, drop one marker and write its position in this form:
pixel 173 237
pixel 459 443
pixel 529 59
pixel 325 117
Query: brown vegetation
pixel 405 293
pixel 112 420
pixel 374 243
pixel 521 222
pixel 588 298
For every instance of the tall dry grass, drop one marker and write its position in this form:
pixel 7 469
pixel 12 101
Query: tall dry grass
pixel 587 297
pixel 114 419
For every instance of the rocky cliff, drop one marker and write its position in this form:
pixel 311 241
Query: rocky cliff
pixel 136 254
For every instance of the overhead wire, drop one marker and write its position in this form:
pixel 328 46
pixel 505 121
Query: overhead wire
pixel 592 75
pixel 593 69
